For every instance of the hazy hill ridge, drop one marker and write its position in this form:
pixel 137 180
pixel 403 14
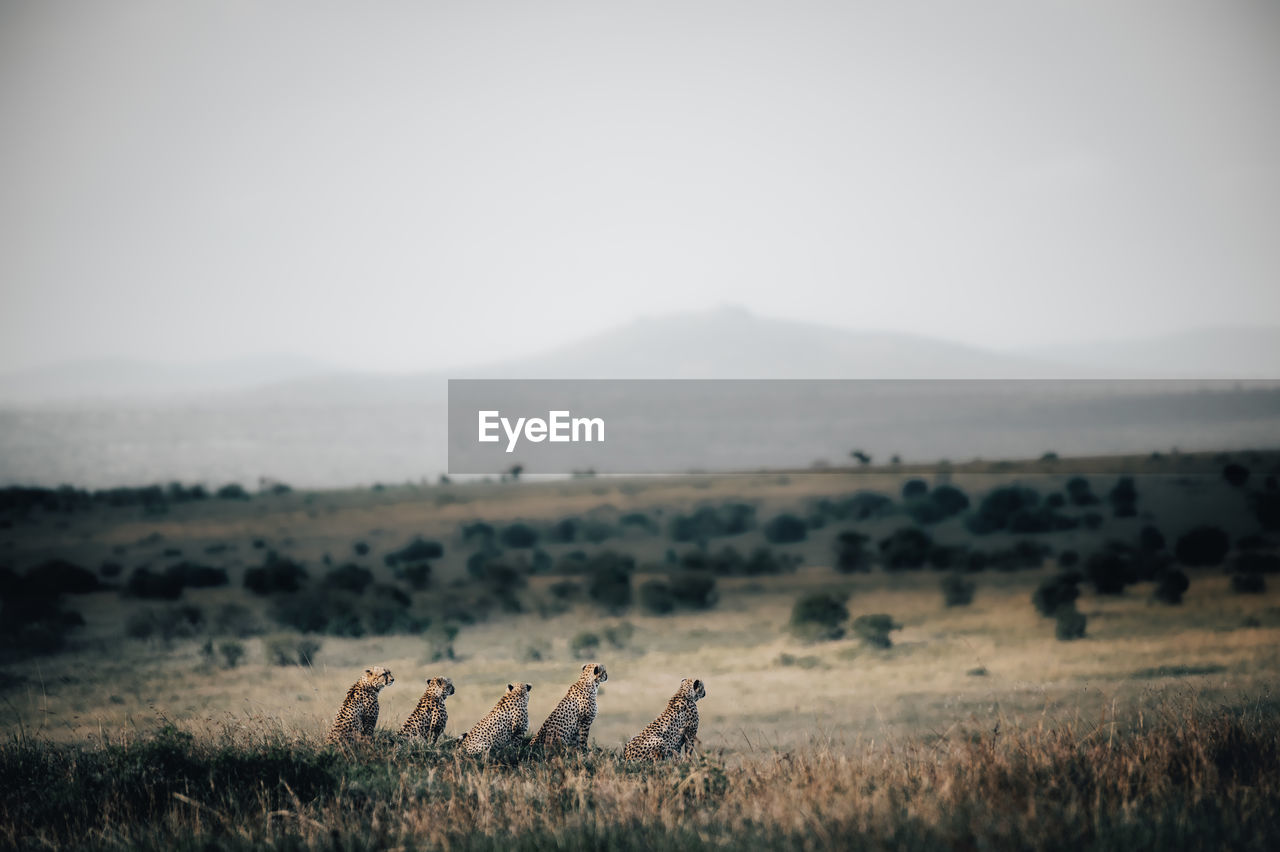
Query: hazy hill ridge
pixel 728 343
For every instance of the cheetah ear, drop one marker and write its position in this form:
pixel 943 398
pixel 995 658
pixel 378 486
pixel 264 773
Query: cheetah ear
pixel 528 687
pixel 511 687
pixel 597 671
pixel 697 684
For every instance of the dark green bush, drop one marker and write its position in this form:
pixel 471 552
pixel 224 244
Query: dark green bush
pixel 195 576
pixel 906 549
pixel 59 577
pixel 851 552
pixel 785 529
pixel 1256 563
pixel 1203 546
pixel 859 506
pixel 1080 493
pixel 943 502
pixel 1057 592
pixel 360 548
pixel 233 491
pixel 1171 587
pixel 277 574
pixel 1236 475
pixel 1111 569
pixel 713 521
pixel 418 550
pixel 519 536
pixel 913 489
pixel 818 615
pixel 148 585
pixel 1070 623
pixel 997 509
pixel 1124 498
pixel 874 630
pixel 584 645
pixel 1068 558
pixel 349 578
pixel 610 582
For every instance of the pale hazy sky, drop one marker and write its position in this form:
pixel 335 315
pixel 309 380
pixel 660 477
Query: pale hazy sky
pixel 417 185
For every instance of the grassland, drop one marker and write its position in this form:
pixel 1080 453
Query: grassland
pixel 976 729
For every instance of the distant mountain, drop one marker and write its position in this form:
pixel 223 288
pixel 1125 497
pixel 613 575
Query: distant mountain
pixel 1210 353
pixel 727 343
pixel 731 343
pixel 119 378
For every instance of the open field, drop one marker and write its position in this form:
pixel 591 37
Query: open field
pixel 908 745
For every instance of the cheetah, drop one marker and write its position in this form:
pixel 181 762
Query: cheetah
pixel 429 718
pixel 359 711
pixel 675 731
pixel 505 724
pixel 570 723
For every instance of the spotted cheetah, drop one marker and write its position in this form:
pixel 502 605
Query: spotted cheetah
pixel 428 719
pixel 675 731
pixel 505 724
pixel 570 723
pixel 359 711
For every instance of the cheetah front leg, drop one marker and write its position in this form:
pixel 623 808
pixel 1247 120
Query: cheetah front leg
pixel 689 740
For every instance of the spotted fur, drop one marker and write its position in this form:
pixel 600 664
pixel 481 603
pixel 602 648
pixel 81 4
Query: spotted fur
pixel 675 731
pixel 570 723
pixel 505 724
pixel 359 713
pixel 429 717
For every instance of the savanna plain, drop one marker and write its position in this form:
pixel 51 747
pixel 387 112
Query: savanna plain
pixel 1053 654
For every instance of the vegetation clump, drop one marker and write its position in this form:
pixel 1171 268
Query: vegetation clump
pixel 819 615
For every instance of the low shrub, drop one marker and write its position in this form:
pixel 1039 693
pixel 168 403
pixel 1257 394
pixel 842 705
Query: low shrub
pixel 276 575
pixel 1171 587
pixel 1056 593
pixel 1202 547
pixel 518 536
pixel 1123 498
pixel 785 529
pixel 713 521
pixel 349 578
pixel 874 630
pixel 656 597
pixel 1070 623
pixel 999 506
pixel 818 615
pixel 232 652
pixel 851 552
pixel 284 650
pixel 149 585
pixel 1080 492
pixel 418 550
pixel 1235 474
pixel 584 645
pixel 906 549
pixel 956 590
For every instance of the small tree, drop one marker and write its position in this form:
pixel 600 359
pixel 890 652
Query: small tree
pixel 785 529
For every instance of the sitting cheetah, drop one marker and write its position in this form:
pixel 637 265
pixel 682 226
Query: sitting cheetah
pixel 675 731
pixel 428 719
pixel 505 724
pixel 359 711
pixel 570 723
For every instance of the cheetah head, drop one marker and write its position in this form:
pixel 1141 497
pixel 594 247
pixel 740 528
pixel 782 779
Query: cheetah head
pixel 519 690
pixel 440 686
pixel 692 688
pixel 594 673
pixel 377 677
